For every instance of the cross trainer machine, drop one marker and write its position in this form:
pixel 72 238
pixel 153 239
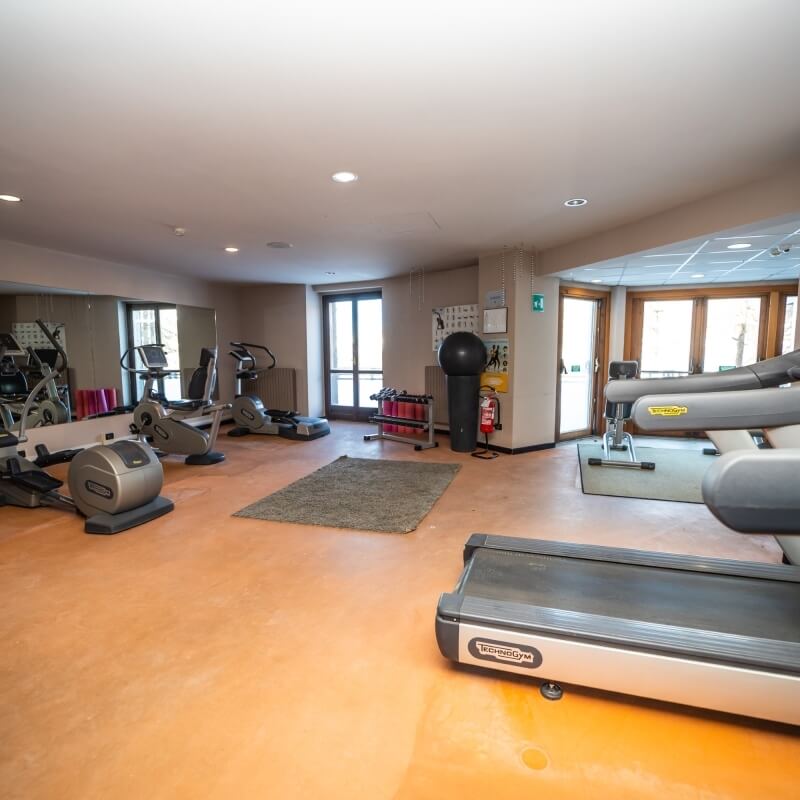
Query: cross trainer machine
pixel 165 421
pixel 47 407
pixel 249 412
pixel 115 486
pixel 710 633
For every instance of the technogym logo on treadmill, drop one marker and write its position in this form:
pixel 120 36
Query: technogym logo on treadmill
pixel 667 411
pixel 504 652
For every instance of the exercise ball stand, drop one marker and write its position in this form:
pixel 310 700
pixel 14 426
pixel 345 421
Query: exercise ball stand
pixel 462 356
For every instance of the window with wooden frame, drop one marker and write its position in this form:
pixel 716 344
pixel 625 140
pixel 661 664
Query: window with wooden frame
pixel 688 331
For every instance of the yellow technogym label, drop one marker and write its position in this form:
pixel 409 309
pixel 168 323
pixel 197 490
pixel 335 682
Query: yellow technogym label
pixel 667 411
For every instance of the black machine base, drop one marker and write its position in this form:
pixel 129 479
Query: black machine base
pixel 116 523
pixel 205 459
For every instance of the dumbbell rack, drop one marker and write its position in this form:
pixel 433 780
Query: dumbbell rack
pixel 383 419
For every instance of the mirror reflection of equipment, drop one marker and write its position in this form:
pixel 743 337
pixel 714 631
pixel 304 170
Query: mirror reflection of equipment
pixel 115 486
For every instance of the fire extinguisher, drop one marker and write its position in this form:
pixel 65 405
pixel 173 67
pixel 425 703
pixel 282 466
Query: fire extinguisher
pixel 489 420
pixel 488 406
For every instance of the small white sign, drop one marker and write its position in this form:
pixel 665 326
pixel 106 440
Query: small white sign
pixel 495 320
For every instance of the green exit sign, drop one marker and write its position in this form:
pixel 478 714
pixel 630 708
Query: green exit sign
pixel 537 302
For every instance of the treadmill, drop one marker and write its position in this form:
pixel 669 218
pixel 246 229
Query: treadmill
pixel 711 633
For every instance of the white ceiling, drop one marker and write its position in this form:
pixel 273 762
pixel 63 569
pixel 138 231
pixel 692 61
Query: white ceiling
pixel 468 123
pixel 708 259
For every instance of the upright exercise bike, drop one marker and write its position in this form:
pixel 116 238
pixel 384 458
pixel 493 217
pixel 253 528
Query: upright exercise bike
pixel 249 412
pixel 164 421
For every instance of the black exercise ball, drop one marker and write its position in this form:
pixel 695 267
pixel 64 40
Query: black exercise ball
pixel 462 353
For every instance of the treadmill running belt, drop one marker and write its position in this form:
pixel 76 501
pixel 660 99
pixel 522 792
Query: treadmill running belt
pixel 744 606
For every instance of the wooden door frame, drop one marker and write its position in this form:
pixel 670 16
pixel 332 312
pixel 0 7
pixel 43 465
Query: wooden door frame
pixel 343 412
pixel 601 348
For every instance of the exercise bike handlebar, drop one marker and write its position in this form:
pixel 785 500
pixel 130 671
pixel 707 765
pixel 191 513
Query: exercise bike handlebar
pixel 50 375
pixel 148 370
pixel 241 353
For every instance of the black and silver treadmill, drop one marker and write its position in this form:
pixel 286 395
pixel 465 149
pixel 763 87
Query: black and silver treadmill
pixel 711 633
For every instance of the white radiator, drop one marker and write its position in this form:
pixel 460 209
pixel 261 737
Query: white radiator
pixel 436 385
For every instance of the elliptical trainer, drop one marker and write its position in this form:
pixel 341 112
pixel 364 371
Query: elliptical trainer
pixel 115 486
pixel 164 421
pixel 47 407
pixel 249 412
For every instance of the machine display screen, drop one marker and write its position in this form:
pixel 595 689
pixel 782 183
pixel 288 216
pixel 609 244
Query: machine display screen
pixel 152 356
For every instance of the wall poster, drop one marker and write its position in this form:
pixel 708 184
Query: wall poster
pixel 449 319
pixel 498 359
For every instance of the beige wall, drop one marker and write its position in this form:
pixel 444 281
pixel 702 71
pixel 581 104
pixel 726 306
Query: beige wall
pixel 407 334
pixel 314 353
pixel 275 315
pixel 528 409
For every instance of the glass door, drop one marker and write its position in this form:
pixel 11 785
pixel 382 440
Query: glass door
pixel 581 352
pixel 353 353
pixel 155 324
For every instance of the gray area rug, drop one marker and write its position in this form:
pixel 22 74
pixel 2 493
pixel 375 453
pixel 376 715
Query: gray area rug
pixel 362 493
pixel 678 474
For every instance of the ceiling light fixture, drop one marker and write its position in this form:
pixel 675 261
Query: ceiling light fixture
pixel 597 280
pixel 231 249
pixel 179 231
pixel 698 275
pixel 344 177
pixel 576 202
pixel 280 245
pixel 10 198
pixel 739 246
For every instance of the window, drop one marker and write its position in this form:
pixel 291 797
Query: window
pixel 788 329
pixel 353 353
pixel 155 324
pixel 684 332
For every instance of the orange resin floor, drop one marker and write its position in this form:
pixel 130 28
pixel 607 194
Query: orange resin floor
pixel 207 656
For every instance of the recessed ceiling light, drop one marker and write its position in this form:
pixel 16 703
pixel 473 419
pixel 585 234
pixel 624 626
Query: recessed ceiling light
pixel 10 198
pixel 280 245
pixel 231 249
pixel 576 202
pixel 739 246
pixel 597 280
pixel 344 177
pixel 588 269
pixel 698 275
